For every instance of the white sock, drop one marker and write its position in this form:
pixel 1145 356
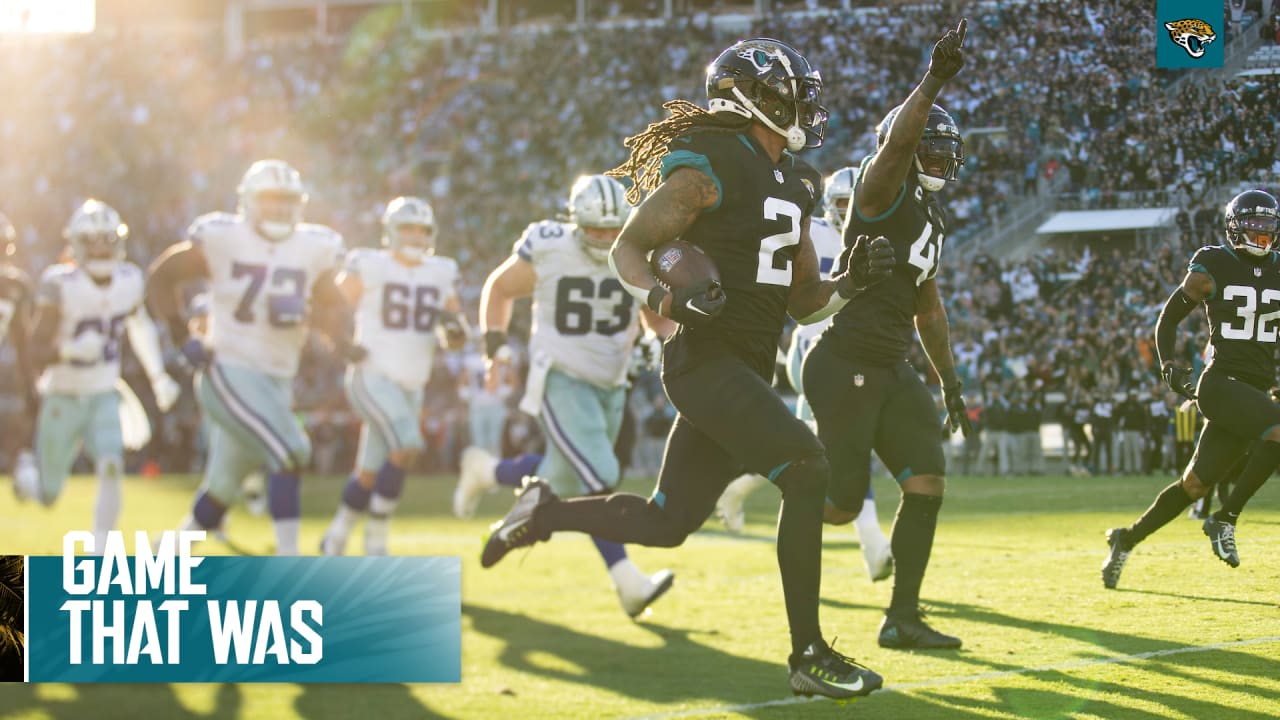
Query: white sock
pixel 378 527
pixel 106 511
pixel 867 525
pixel 286 535
pixel 343 522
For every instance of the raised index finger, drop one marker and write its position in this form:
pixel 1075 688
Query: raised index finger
pixel 961 28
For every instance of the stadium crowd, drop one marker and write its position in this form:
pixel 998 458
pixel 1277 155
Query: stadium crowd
pixel 493 128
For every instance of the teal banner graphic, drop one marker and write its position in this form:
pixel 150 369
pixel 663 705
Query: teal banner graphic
pixel 1190 33
pixel 179 618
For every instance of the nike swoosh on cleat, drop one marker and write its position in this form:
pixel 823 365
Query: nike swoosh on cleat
pixel 852 687
pixel 689 304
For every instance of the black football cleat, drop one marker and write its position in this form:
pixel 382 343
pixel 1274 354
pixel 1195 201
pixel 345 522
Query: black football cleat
pixel 518 529
pixel 1222 538
pixel 1118 540
pixel 910 632
pixel 821 670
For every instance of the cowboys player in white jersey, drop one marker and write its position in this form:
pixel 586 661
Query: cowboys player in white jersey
pixel 269 276
pixel 405 296
pixel 584 328
pixel 82 309
pixel 828 243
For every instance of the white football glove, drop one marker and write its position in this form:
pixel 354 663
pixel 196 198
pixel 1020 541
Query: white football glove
pixel 86 347
pixel 166 390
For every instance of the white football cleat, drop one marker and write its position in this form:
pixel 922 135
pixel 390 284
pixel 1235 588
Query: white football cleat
pixel 878 557
pixel 636 591
pixel 730 506
pixel 475 478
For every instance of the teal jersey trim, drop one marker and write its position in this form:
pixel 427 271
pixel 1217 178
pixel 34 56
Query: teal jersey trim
pixel 691 159
pixel 1197 267
pixel 747 142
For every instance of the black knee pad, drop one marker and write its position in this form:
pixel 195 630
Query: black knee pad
pixel 805 477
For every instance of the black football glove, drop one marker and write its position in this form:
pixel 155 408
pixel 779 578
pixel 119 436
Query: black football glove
pixel 1178 379
pixel 697 304
pixel 957 413
pixel 948 53
pixel 865 263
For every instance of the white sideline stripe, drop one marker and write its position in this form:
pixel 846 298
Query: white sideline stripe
pixel 905 687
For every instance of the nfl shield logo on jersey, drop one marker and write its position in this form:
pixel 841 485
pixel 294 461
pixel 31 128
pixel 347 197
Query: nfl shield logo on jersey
pixel 777 175
pixel 1257 272
pixel 858 380
pixel 669 259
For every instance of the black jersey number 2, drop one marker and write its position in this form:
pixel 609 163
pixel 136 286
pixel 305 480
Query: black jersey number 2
pixel 767 271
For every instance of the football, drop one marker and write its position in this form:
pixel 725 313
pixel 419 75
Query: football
pixel 679 264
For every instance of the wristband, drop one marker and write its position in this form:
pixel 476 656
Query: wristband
pixel 494 340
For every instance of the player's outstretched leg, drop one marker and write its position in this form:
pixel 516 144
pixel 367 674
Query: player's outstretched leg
pixel 913 532
pixel 729 508
pixel 387 488
pixel 480 472
pixel 1264 457
pixel 352 506
pixel 106 508
pixel 636 591
pixel 877 552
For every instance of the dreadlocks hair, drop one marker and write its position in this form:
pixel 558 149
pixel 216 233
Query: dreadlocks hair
pixel 649 146
pixel 11 618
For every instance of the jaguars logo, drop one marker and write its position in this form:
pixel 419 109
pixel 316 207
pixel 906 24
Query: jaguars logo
pixel 1191 35
pixel 763 60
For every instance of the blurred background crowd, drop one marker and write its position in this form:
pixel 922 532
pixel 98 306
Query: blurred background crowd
pixel 492 128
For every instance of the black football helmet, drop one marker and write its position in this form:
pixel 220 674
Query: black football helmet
pixel 769 81
pixel 941 150
pixel 1253 222
pixel 8 239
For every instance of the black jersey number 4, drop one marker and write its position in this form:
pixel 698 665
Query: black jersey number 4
pixel 924 253
pixel 1252 325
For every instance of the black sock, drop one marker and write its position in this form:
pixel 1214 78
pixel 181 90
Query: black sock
pixel 1263 460
pixel 1168 505
pixel 621 518
pixel 912 543
pixel 803 486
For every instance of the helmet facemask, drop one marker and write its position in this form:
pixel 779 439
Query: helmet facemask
pixel 412 240
pixel 938 160
pixel 598 206
pixel 598 241
pixel 773 84
pixel 97 253
pixel 837 193
pixel 1255 234
pixel 275 213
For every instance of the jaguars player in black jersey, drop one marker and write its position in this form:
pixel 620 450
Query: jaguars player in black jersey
pixel 15 315
pixel 864 393
pixel 1239 285
pixel 729 181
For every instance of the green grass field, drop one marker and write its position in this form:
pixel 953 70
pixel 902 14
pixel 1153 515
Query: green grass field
pixel 1014 572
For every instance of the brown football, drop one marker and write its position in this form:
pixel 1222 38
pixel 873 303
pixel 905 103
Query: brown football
pixel 679 264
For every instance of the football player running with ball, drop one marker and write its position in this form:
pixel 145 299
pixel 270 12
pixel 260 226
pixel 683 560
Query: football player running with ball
pixel 728 182
pixel 864 393
pixel 1239 285
pixel 824 232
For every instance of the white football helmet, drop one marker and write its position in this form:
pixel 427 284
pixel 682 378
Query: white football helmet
pixel 838 186
pixel 277 218
pixel 96 236
pixel 409 211
pixel 598 201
